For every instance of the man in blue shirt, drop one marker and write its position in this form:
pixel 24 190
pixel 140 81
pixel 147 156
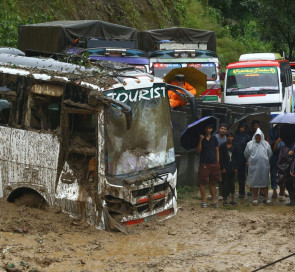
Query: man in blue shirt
pixel 221 135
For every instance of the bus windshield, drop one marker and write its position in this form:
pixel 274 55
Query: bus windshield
pixel 149 142
pixel 208 68
pixel 252 80
pixel 162 69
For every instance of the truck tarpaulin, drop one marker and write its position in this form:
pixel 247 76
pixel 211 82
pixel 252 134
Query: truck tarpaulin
pixel 58 35
pixel 149 38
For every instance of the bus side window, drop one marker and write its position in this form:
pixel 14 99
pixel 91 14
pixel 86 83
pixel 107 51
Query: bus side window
pixel 44 107
pixel 4 111
pixel 44 112
pixel 82 128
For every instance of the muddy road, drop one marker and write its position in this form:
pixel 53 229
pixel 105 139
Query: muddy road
pixel 241 238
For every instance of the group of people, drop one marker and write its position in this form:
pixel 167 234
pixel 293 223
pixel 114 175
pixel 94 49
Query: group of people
pixel 228 156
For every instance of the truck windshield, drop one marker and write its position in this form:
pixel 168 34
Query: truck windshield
pixel 208 68
pixel 149 142
pixel 252 80
pixel 162 69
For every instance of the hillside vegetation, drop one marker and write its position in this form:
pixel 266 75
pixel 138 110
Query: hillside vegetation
pixel 141 14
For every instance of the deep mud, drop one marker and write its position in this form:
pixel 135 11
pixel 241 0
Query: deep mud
pixel 241 238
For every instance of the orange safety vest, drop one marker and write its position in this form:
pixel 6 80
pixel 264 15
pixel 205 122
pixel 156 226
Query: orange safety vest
pixel 174 99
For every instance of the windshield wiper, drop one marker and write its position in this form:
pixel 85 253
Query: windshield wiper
pixel 267 91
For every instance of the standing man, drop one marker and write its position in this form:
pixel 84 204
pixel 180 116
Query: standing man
pixel 240 141
pixel 227 166
pixel 221 135
pixel 221 138
pixel 209 169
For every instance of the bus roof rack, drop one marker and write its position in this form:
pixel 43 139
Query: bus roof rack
pixel 260 56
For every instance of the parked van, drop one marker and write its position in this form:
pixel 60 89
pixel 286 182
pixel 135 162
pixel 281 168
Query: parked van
pixel 262 79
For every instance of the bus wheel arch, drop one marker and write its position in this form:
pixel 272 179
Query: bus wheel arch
pixel 28 197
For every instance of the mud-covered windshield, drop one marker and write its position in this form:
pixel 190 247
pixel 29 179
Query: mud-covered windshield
pixel 252 80
pixel 149 142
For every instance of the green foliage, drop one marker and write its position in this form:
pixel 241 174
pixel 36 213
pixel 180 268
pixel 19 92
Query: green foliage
pixel 10 20
pixel 181 7
pixel 276 19
pixel 202 16
pixel 184 191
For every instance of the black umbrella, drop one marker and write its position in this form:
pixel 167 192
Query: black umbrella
pixel 190 136
pixel 286 125
pixel 262 117
pixel 287 134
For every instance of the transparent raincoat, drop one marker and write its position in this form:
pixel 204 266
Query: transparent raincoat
pixel 258 155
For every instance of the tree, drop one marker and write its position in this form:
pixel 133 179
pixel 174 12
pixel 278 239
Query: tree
pixel 277 20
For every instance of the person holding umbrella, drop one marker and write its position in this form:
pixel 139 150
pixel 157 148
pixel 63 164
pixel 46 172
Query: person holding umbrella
pixel 174 99
pixel 257 154
pixel 209 169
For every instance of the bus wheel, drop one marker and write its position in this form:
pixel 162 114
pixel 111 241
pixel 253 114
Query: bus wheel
pixel 28 197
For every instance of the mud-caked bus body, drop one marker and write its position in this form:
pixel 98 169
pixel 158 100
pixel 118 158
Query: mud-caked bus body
pixel 260 79
pixel 97 143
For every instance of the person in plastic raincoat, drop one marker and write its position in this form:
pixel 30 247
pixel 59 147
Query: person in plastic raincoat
pixel 174 99
pixel 257 154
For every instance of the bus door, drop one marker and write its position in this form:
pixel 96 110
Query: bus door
pixel 77 185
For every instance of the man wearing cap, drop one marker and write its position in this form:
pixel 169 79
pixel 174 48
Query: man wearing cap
pixel 209 169
pixel 174 99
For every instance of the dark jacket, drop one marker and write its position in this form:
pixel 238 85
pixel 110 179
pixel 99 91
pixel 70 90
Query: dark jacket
pixel 239 143
pixel 284 164
pixel 226 160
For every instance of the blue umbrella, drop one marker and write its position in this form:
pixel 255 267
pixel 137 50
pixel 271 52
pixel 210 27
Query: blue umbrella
pixel 284 118
pixel 190 136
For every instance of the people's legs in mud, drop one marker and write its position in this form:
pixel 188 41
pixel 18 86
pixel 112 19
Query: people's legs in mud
pixel 255 195
pixel 282 187
pixel 231 183
pixel 282 192
pixel 225 187
pixel 213 192
pixel 265 194
pixel 290 188
pixel 273 175
pixel 203 191
pixel 220 188
pixel 241 179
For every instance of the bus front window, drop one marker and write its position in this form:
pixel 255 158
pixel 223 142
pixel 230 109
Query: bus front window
pixel 149 142
pixel 252 80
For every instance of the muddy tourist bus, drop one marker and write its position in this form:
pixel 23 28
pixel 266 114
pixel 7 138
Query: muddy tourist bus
pixel 96 142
